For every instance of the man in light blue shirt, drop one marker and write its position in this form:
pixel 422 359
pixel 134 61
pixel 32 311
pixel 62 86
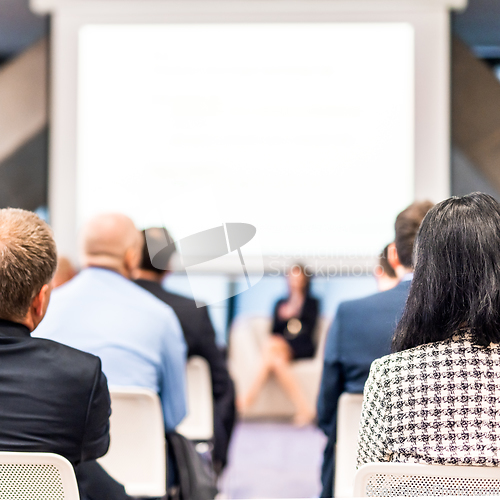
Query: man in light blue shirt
pixel 137 336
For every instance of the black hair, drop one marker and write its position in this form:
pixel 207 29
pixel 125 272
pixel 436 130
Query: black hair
pixel 157 250
pixel 456 283
pixel 302 269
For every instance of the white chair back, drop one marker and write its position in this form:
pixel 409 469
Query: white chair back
pixel 415 480
pixel 348 418
pixel 137 453
pixel 40 476
pixel 198 425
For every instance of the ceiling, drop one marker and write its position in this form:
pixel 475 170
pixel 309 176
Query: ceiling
pixel 478 25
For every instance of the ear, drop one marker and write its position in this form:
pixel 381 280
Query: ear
pixel 132 260
pixel 40 303
pixel 392 256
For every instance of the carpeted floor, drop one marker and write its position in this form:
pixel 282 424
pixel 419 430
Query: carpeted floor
pixel 273 460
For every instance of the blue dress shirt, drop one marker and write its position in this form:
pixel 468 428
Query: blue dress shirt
pixel 137 336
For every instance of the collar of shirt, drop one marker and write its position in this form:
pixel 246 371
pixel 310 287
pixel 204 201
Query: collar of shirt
pixel 104 272
pixel 12 329
pixel 407 277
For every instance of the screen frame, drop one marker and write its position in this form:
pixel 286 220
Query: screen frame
pixel 430 21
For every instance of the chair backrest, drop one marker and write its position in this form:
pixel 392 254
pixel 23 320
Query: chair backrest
pixel 198 425
pixel 137 452
pixel 348 418
pixel 40 476
pixel 320 334
pixel 415 480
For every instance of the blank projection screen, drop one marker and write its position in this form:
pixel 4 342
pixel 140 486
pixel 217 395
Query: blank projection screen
pixel 304 130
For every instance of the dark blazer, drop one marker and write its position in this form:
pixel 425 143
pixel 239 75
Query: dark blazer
pixel 53 398
pixel 302 343
pixel 360 333
pixel 200 339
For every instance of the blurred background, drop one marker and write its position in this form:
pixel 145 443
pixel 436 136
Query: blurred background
pixel 27 89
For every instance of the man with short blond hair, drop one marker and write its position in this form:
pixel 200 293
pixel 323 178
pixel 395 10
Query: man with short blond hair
pixel 28 260
pixel 54 398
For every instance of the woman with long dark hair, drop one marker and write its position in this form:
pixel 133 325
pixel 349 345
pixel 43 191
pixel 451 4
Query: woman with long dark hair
pixel 436 399
pixel 292 338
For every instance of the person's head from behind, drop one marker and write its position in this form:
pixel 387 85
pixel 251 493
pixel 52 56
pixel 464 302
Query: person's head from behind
pixel 111 241
pixel 406 227
pixel 384 272
pixel 64 272
pixel 456 284
pixel 28 260
pixel 299 281
pixel 158 248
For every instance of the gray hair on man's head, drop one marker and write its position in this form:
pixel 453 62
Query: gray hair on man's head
pixel 28 260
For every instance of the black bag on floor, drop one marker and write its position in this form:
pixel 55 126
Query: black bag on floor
pixel 197 480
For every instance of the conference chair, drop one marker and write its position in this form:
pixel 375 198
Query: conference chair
pixel 415 480
pixel 137 452
pixel 28 476
pixel 348 419
pixel 248 336
pixel 198 425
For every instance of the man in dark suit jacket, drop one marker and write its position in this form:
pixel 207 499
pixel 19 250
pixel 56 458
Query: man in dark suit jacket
pixel 54 398
pixel 199 334
pixel 361 332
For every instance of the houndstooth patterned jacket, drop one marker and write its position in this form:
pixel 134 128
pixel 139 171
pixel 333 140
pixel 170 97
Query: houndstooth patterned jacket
pixel 437 403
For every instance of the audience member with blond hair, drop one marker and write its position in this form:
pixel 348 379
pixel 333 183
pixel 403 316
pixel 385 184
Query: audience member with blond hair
pixel 54 398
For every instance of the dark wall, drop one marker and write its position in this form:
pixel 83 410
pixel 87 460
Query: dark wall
pixel 466 178
pixel 23 175
pixel 19 28
pixel 475 123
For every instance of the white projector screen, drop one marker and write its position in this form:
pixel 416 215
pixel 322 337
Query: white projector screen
pixel 305 130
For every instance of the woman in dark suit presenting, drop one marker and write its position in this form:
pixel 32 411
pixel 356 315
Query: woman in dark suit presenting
pixel 291 338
